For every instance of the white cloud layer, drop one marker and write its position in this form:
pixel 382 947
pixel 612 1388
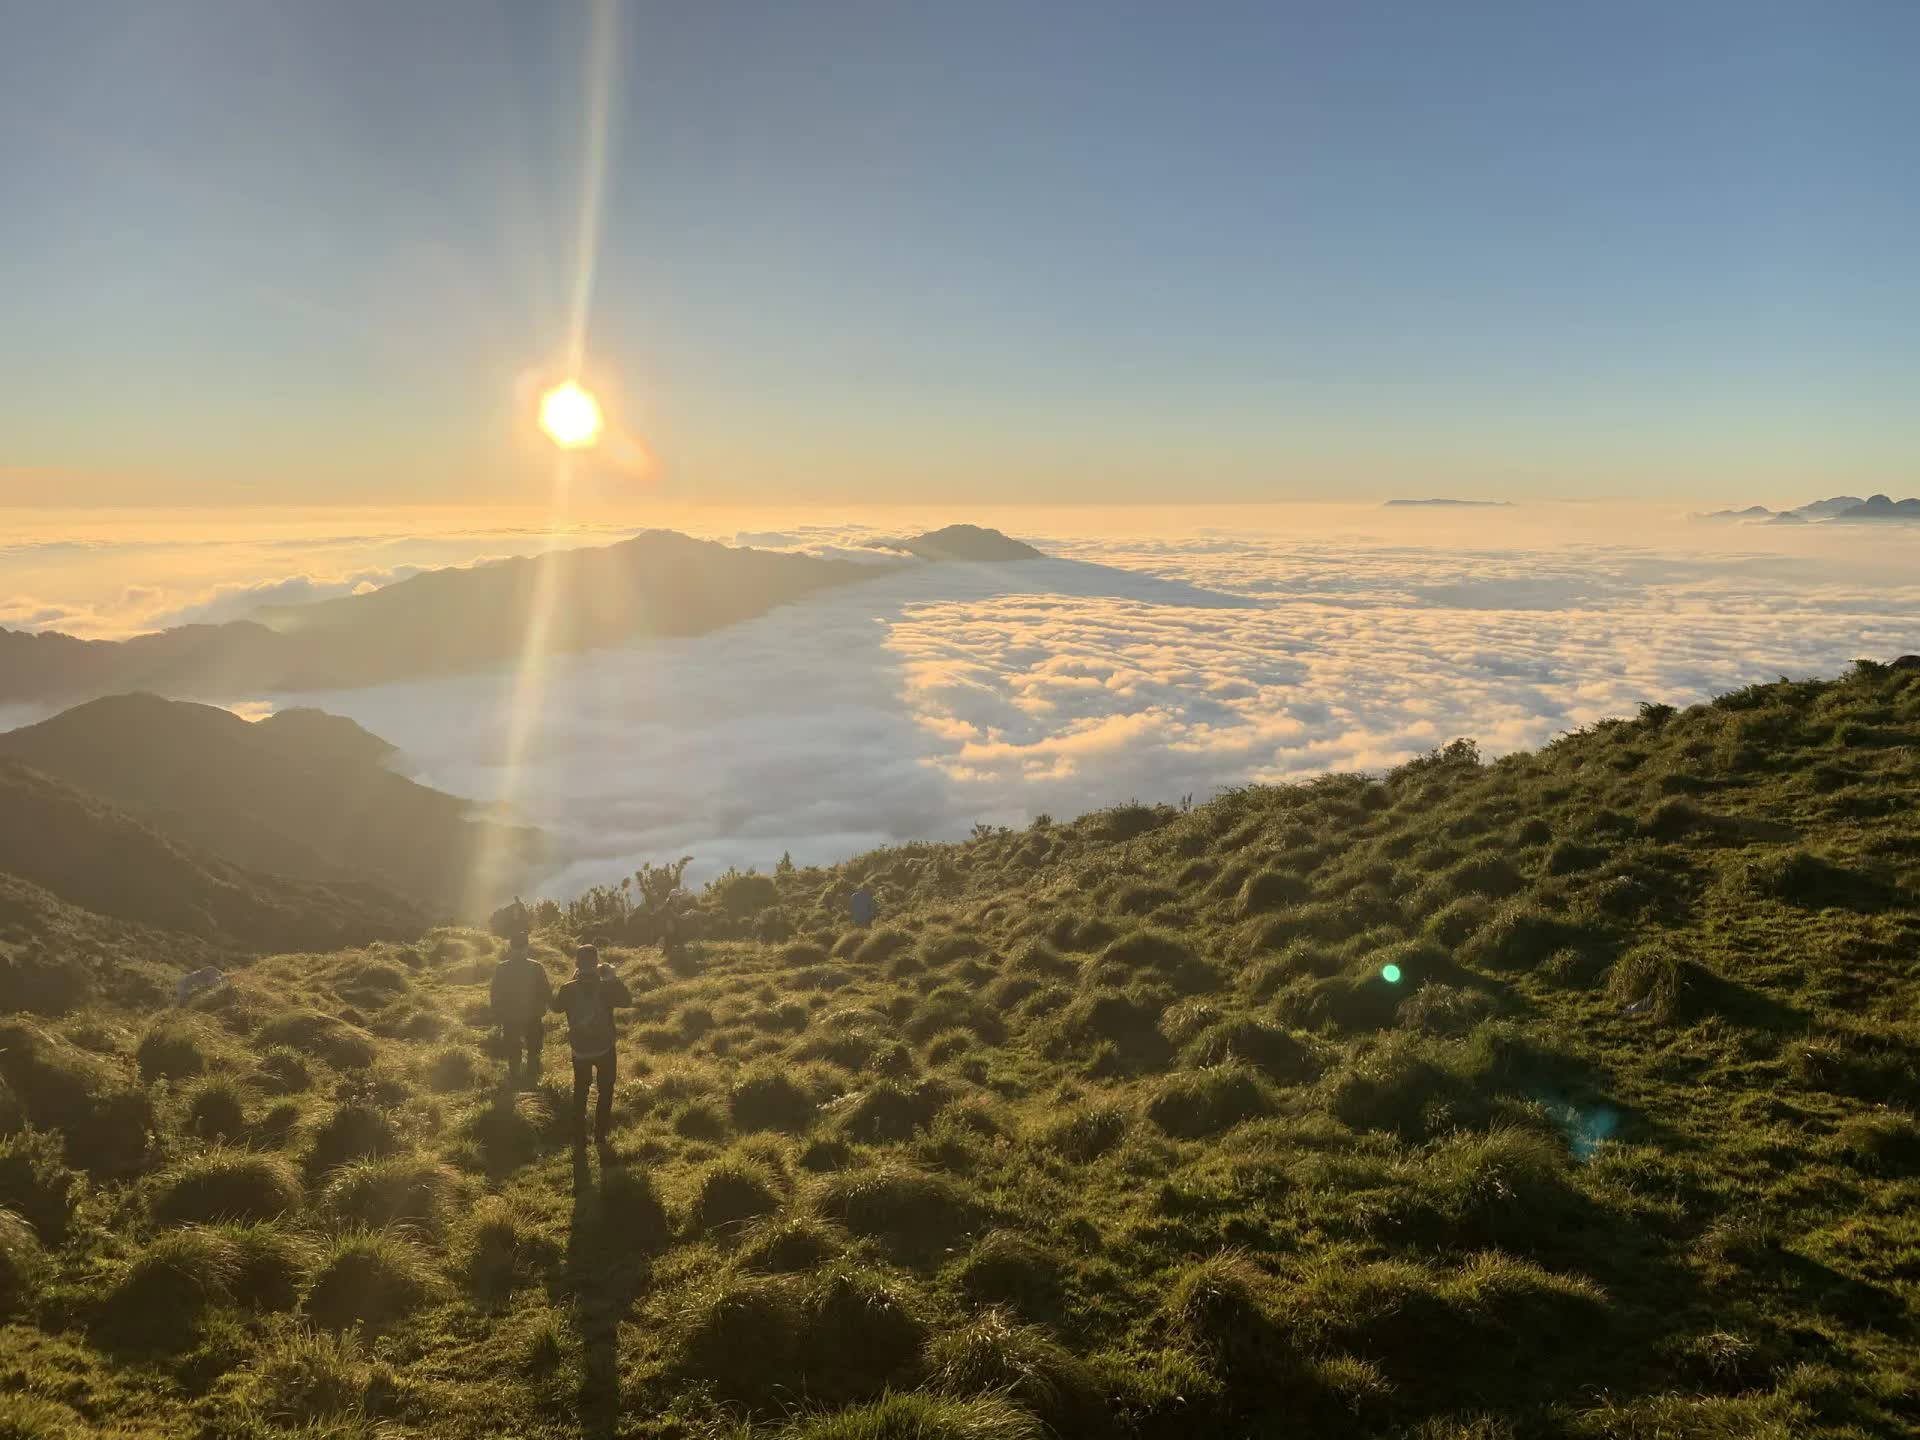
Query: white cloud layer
pixel 1159 654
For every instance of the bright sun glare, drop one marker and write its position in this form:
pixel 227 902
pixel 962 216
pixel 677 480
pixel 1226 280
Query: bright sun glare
pixel 571 416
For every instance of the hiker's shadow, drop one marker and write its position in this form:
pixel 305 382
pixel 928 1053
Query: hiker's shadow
pixel 618 1226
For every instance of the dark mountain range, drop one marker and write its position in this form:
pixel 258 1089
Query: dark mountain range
pixel 92 856
pixel 447 621
pixel 1835 509
pixel 301 794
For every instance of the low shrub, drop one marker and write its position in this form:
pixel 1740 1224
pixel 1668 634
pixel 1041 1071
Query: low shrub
pixel 222 1184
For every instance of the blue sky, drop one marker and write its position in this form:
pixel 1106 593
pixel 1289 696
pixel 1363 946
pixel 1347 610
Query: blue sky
pixel 297 253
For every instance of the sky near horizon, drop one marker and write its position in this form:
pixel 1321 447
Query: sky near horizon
pixel 297 254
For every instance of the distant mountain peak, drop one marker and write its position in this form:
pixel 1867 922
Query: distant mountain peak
pixel 1445 503
pixel 964 542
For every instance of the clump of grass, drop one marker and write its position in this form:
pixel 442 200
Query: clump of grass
pixel 489 1248
pixel 909 1207
pixel 1403 1086
pixel 1446 1010
pixel 1268 890
pixel 310 1377
pixel 739 1333
pixel 283 1071
pixel 1164 956
pixel 453 1068
pixel 920 1416
pixel 34 1417
pixel 1088 1133
pixel 732 1192
pixel 862 1333
pixel 103 1121
pixel 1652 979
pixel 369 1278
pixel 1222 1306
pixel 767 1097
pixel 217 1108
pixel 996 1355
pixel 1272 1051
pixel 1459 920
pixel 353 1131
pixel 1884 1142
pixel 170 1286
pixel 174 1048
pixel 1006 1268
pixel 789 1243
pixel 319 1035
pixel 37 1185
pixel 1518 937
pixel 887 1112
pixel 411 1190
pixel 1508 1188
pixel 21 1262
pixel 508 1131
pixel 1191 1104
pixel 223 1184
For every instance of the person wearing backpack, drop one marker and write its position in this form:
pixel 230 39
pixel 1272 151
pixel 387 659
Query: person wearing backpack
pixel 519 996
pixel 588 1001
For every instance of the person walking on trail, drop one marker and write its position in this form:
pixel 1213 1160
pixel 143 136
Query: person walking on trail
pixel 521 992
pixel 589 1000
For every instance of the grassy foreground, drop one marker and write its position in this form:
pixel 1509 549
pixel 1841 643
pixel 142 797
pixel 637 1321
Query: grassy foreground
pixel 1115 1127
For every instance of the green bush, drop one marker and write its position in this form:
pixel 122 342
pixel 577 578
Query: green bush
pixel 226 1184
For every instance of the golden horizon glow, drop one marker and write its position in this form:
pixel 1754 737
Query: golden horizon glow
pixel 571 416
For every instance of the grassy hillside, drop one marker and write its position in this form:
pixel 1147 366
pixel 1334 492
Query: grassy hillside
pixel 100 859
pixel 300 793
pixel 1567 1095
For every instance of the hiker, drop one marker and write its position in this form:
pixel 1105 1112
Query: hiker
pixel 589 1000
pixel 521 991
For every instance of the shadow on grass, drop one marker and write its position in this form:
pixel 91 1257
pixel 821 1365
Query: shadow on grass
pixel 618 1226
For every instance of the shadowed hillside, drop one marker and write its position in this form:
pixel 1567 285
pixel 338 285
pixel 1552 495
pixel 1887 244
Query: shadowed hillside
pixel 1568 1095
pixel 100 859
pixel 300 793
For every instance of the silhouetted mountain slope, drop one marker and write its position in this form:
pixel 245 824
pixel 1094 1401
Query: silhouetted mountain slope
pixel 56 957
pixel 101 859
pixel 1881 507
pixel 445 621
pixel 1834 509
pixel 302 794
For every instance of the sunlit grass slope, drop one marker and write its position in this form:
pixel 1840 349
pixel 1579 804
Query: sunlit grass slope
pixel 1111 1127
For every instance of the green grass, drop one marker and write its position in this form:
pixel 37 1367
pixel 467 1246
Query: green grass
pixel 1116 1127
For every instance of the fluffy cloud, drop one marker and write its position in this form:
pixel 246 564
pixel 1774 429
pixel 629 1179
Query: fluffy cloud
pixel 930 698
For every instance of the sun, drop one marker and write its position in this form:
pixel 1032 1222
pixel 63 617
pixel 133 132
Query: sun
pixel 570 416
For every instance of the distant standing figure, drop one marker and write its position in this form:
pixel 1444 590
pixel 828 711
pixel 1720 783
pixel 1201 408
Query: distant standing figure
pixel 863 907
pixel 520 994
pixel 589 1000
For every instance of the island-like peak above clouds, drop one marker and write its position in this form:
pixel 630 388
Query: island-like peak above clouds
pixel 1454 504
pixel 964 542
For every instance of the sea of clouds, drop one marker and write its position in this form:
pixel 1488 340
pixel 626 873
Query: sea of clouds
pixel 1150 662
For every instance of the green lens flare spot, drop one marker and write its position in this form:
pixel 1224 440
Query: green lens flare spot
pixel 1390 974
